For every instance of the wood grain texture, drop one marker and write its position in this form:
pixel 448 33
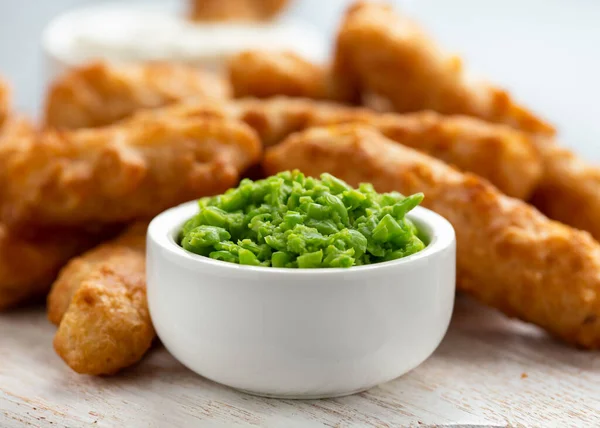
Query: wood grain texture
pixel 488 372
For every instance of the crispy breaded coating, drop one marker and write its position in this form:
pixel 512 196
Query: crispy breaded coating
pixel 99 94
pixel 391 56
pixel 503 155
pixel 273 119
pixel 510 256
pixel 387 54
pixel 122 173
pixel 28 265
pixel 17 131
pixel 235 10
pixel 99 303
pixel 30 261
pixel 80 268
pixel 570 189
pixel 4 101
pixel 265 74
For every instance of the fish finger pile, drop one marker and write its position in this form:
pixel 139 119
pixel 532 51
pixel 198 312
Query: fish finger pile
pixel 88 173
pixel 121 143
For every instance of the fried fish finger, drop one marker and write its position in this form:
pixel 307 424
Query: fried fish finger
pixel 273 119
pixel 28 265
pixel 122 173
pixel 17 131
pixel 393 57
pixel 99 94
pixel 4 101
pixel 387 54
pixel 501 154
pixel 99 303
pixel 265 74
pixel 505 156
pixel 235 10
pixel 570 189
pixel 510 256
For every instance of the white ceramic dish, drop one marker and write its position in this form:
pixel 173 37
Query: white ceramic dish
pixel 126 31
pixel 300 333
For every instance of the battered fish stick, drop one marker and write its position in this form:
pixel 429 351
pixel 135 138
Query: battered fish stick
pixel 265 74
pixel 503 155
pixel 273 119
pixel 570 189
pixel 235 10
pixel 99 303
pixel 17 131
pixel 122 173
pixel 28 265
pixel 99 94
pixel 4 101
pixel 510 256
pixel 389 55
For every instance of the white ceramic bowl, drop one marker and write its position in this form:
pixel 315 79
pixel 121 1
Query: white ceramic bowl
pixel 124 32
pixel 300 333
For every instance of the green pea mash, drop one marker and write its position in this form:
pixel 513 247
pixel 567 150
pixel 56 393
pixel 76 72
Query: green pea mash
pixel 292 221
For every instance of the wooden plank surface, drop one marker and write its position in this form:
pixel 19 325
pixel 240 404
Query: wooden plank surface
pixel 487 372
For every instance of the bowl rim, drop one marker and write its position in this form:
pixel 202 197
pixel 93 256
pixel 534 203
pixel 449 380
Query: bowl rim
pixel 164 226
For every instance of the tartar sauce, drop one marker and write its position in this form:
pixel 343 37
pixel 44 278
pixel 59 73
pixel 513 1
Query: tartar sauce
pixel 130 32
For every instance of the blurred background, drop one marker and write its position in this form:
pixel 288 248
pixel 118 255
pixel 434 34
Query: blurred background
pixel 545 51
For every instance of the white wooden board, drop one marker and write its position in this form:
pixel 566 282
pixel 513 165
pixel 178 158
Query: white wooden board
pixel 488 372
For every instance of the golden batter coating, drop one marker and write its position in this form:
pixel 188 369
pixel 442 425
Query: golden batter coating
pixel 510 256
pixel 17 131
pixel 4 101
pixel 503 155
pixel 99 94
pixel 235 10
pixel 570 189
pixel 122 173
pixel 391 56
pixel 99 303
pixel 265 74
pixel 28 265
pixel 273 119
pixel 387 54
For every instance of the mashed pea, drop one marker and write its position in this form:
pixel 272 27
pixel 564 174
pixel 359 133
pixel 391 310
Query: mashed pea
pixel 292 221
